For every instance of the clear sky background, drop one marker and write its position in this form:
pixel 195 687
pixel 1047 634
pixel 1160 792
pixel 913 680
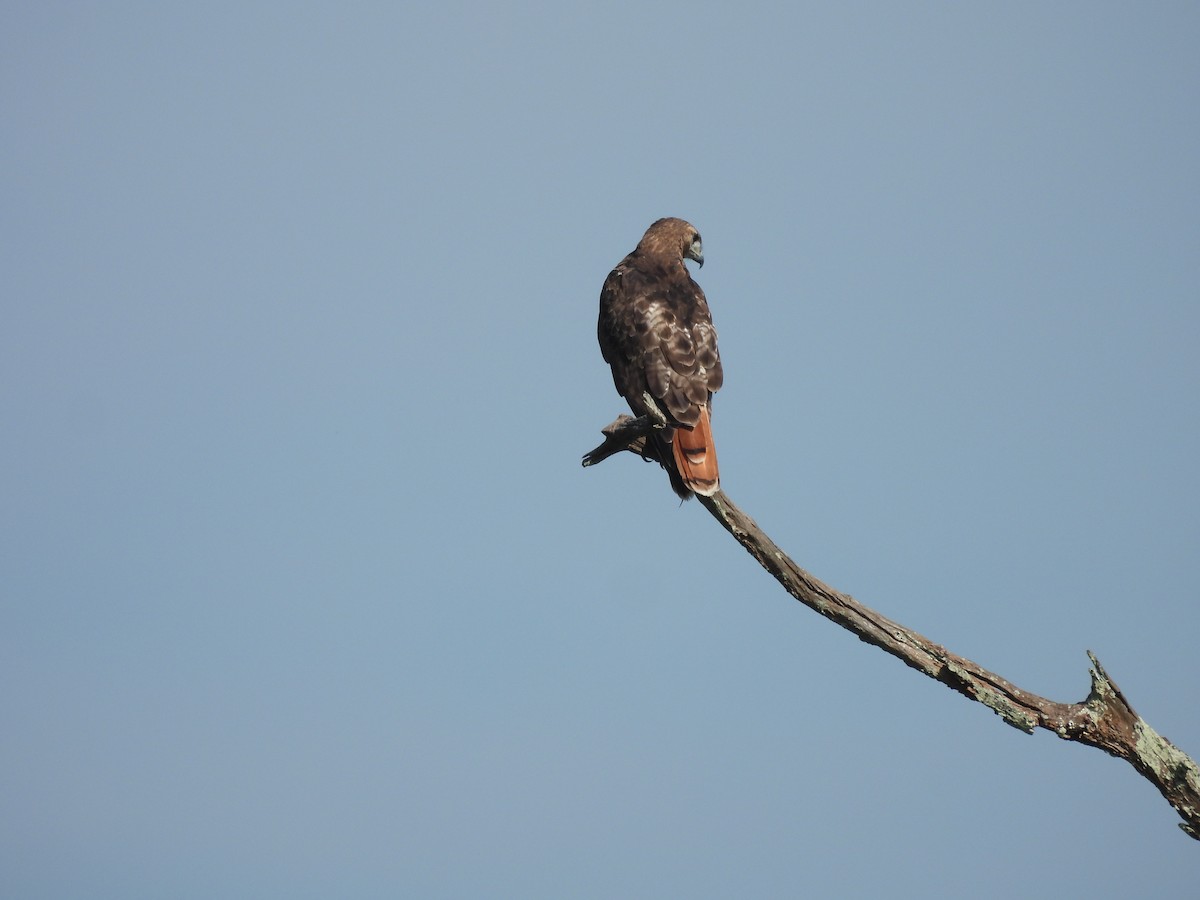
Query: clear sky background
pixel 304 592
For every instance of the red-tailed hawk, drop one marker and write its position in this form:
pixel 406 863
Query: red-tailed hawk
pixel 657 334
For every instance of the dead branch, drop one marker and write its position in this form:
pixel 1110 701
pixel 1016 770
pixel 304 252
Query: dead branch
pixel 625 433
pixel 1105 719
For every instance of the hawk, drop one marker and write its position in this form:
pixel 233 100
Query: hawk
pixel 656 332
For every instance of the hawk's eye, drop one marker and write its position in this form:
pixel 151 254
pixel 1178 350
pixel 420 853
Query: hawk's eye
pixel 696 238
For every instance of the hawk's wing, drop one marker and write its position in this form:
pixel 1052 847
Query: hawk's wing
pixel 658 336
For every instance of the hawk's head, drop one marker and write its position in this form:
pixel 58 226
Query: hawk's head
pixel 673 238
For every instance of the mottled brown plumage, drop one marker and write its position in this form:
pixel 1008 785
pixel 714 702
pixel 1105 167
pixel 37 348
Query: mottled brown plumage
pixel 657 334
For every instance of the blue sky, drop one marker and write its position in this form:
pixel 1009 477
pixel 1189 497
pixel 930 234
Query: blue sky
pixel 304 592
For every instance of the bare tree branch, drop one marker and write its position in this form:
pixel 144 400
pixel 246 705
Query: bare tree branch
pixel 625 433
pixel 1105 719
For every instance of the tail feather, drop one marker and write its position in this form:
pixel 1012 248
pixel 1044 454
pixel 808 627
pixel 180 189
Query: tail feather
pixel 696 456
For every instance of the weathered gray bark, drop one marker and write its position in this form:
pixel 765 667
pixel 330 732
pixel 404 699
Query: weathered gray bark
pixel 1105 719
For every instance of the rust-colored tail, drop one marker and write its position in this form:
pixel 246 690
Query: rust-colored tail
pixel 696 456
